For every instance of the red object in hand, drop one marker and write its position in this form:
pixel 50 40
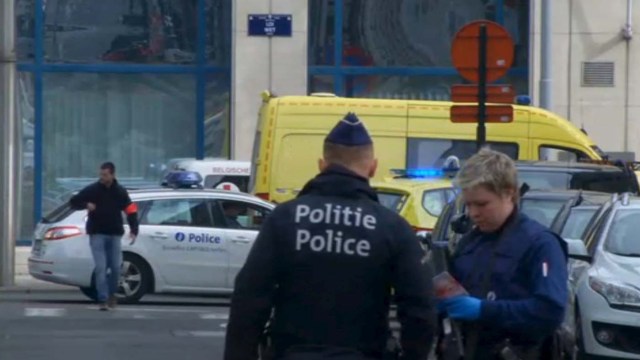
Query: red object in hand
pixel 446 286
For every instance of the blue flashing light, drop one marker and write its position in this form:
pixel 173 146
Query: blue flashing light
pixel 523 100
pixel 425 173
pixel 419 173
pixel 183 179
pixel 450 168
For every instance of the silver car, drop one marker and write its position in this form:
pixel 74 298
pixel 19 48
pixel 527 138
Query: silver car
pixel 607 288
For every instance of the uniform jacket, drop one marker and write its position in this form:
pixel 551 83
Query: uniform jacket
pixel 326 262
pixel 110 203
pixel 528 289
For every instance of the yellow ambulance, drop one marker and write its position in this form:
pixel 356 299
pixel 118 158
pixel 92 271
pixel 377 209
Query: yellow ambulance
pixel 406 134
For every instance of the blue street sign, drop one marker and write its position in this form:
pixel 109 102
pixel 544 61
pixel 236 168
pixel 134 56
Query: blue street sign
pixel 269 25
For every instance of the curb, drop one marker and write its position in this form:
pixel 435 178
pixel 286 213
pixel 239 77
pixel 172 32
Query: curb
pixel 34 289
pixel 27 284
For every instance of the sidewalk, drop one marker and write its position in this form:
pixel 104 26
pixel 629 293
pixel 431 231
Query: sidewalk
pixel 24 282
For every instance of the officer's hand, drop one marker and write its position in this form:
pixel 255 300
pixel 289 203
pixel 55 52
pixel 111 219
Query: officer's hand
pixel 463 307
pixel 91 206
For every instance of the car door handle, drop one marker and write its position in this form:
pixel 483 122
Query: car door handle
pixel 241 240
pixel 159 236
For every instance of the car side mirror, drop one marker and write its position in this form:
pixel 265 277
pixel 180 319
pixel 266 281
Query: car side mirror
pixel 461 224
pixel 578 250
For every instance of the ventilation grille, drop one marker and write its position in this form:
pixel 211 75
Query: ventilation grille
pixel 598 74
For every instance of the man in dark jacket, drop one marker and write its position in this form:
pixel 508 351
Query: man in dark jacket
pixel 105 200
pixel 326 264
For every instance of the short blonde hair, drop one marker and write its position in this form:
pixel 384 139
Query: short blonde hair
pixel 489 168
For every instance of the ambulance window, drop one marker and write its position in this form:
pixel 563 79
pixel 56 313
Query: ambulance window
pixel 556 153
pixel 178 212
pixel 434 152
pixel 240 215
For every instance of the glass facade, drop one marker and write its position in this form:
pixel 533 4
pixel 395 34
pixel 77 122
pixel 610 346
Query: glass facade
pixel 401 49
pixel 144 82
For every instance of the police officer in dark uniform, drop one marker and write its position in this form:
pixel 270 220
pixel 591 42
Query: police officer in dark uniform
pixel 326 263
pixel 514 268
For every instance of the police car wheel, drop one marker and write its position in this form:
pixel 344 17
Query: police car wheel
pixel 135 279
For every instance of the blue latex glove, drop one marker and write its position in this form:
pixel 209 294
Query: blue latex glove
pixel 463 307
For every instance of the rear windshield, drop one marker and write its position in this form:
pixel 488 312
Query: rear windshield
pixel 390 200
pixel 58 214
pixel 542 210
pixel 609 182
pixel 577 223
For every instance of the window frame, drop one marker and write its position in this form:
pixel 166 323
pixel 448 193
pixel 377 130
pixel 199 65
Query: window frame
pixel 580 155
pixel 412 140
pixel 593 240
pixel 340 73
pixel 403 196
pixel 205 200
pixel 442 192
pixel 37 65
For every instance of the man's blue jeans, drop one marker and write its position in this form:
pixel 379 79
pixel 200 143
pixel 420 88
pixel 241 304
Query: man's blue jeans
pixel 107 254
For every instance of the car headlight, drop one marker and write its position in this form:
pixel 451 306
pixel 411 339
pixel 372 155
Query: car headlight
pixel 616 293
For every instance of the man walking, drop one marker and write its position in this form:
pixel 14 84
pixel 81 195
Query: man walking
pixel 105 200
pixel 326 263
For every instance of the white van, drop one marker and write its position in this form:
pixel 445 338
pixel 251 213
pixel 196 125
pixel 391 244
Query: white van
pixel 215 172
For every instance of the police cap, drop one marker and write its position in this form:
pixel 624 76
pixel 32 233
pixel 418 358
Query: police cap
pixel 349 131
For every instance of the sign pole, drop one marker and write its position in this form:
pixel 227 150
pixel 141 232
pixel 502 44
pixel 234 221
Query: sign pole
pixel 481 132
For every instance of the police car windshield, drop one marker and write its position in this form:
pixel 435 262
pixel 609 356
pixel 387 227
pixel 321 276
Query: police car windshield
pixel 542 210
pixel 577 222
pixel 622 238
pixel 390 200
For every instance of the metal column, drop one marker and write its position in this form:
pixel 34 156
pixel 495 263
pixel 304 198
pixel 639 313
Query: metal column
pixel 10 145
pixel 546 57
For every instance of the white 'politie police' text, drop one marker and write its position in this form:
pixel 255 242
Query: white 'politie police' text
pixel 332 240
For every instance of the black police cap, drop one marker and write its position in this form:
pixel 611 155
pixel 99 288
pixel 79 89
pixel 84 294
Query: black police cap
pixel 349 131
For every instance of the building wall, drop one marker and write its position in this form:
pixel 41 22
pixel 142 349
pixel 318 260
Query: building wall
pixel 143 83
pixel 278 64
pixel 591 31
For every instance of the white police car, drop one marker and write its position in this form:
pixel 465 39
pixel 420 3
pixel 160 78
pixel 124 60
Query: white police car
pixel 190 241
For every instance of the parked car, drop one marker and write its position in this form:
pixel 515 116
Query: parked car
pixel 601 176
pixel 417 195
pixel 607 310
